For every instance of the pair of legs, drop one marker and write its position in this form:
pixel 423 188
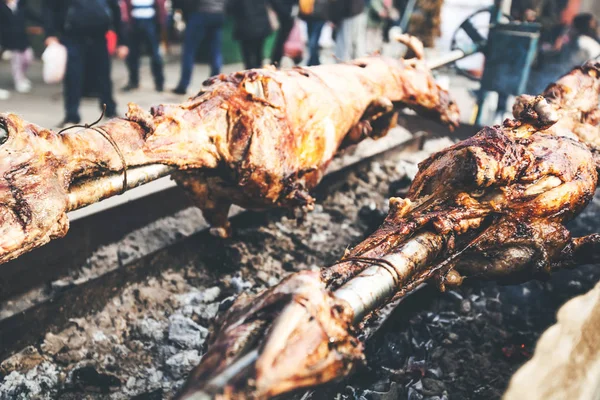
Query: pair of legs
pixel 80 49
pixel 145 32
pixel 286 23
pixel 350 41
pixel 314 28
pixel 20 62
pixel 201 25
pixel 252 52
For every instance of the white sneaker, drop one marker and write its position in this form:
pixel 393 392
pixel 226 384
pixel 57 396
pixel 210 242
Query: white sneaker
pixel 4 94
pixel 23 86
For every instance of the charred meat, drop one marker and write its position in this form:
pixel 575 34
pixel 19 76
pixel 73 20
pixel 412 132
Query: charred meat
pixel 492 206
pixel 260 138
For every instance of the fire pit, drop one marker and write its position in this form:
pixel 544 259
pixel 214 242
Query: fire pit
pixel 148 335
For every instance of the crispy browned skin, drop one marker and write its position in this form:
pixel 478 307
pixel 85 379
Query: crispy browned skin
pixel 517 184
pixel 311 339
pixel 259 138
pixel 497 201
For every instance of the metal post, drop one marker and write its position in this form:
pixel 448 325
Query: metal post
pixel 505 7
pixel 500 8
pixel 378 283
pixel 408 11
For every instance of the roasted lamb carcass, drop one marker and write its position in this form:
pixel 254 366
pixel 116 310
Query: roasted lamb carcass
pixel 492 206
pixel 260 138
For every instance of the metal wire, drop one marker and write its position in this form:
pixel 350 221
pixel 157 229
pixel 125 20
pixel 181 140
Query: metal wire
pixel 106 136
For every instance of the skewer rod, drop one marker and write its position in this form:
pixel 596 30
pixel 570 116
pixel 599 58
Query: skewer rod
pixel 93 190
pixel 378 283
pixel 450 57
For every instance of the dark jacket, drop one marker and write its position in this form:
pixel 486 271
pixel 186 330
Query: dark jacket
pixel 55 12
pixel 13 28
pixel 159 6
pixel 283 8
pixel 204 6
pixel 321 11
pixel 342 9
pixel 251 18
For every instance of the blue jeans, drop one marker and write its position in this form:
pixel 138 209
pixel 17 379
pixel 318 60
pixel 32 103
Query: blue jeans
pixel 201 24
pixel 314 28
pixel 144 32
pixel 80 49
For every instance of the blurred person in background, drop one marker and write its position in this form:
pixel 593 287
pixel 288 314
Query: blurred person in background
pixel 284 10
pixel 81 26
pixel 145 19
pixel 381 17
pixel 13 37
pixel 295 45
pixel 204 18
pixel 351 23
pixel 252 25
pixel 580 44
pixel 584 42
pixel 316 14
pixel 550 14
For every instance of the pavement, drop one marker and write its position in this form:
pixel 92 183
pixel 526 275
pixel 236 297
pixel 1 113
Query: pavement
pixel 44 105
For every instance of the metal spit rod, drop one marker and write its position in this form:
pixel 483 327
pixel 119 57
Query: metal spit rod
pixel 381 283
pixel 93 190
pixel 378 283
pixel 451 57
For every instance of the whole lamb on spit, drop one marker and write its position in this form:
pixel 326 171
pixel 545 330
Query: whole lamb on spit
pixel 259 139
pixel 492 206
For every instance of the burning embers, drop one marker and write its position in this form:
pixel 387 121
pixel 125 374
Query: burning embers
pixel 493 206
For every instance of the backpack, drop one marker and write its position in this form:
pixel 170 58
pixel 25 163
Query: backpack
pixel 88 16
pixel 315 9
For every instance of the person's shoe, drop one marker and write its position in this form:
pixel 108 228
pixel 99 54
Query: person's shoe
pixel 4 94
pixel 160 88
pixel 23 86
pixel 129 87
pixel 179 90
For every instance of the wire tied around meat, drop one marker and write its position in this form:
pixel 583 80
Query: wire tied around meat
pixel 108 138
pixel 380 262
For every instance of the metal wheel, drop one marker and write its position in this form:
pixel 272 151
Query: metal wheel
pixel 474 30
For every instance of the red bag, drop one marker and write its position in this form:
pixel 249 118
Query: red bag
pixel 111 42
pixel 294 46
